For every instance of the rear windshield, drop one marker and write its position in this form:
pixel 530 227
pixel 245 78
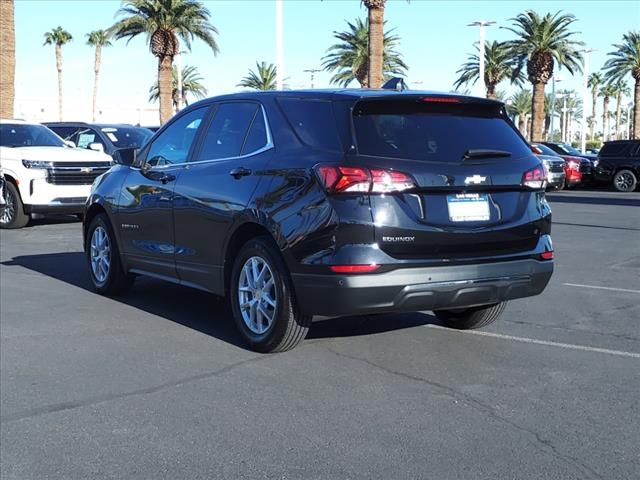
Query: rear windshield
pixel 413 129
pixel 614 149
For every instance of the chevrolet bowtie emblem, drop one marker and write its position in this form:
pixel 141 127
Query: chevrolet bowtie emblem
pixel 476 180
pixel 86 169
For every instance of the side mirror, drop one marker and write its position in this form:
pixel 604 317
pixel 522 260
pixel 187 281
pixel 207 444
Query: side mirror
pixel 125 156
pixel 97 147
pixel 69 143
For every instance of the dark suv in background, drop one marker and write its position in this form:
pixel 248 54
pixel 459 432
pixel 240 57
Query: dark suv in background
pixel 618 164
pixel 308 205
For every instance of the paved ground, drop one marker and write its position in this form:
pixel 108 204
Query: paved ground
pixel 156 385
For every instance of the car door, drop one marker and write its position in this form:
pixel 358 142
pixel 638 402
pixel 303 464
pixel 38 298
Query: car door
pixel 146 204
pixel 215 188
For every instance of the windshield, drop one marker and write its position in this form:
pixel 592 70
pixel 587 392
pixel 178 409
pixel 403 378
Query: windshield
pixel 416 130
pixel 568 149
pixel 127 137
pixel 19 135
pixel 545 150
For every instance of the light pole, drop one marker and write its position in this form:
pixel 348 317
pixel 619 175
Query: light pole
pixel 481 24
pixel 585 93
pixel 554 79
pixel 312 71
pixel 179 75
pixel 279 47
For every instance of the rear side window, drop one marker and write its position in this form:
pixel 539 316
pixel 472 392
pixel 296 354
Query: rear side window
pixel 225 136
pixel 614 149
pixel 313 122
pixel 413 129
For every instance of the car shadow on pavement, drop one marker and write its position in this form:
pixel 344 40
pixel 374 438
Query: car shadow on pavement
pixel 619 201
pixel 199 310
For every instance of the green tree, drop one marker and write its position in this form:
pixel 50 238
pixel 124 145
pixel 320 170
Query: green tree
pixel 263 78
pixel 58 37
pixel 166 23
pixel 594 82
pixel 499 65
pixel 191 86
pixel 542 42
pixel 606 92
pixel 520 106
pixel 97 39
pixel 625 60
pixel 349 59
pixel 7 58
pixel 622 89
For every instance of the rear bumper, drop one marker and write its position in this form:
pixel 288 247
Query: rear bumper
pixel 416 289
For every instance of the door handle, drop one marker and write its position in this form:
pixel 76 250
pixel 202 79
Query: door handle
pixel 166 178
pixel 161 177
pixel 239 172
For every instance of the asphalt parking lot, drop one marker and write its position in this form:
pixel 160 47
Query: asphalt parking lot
pixel 156 384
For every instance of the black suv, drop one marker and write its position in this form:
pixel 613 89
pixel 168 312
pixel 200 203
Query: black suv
pixel 309 205
pixel 619 164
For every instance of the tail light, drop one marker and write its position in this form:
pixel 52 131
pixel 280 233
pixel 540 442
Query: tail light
pixel 339 179
pixel 546 255
pixel 574 165
pixel 536 178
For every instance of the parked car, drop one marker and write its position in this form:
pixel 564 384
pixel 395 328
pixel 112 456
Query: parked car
pixel 578 170
pixel 592 151
pixel 566 149
pixel 105 138
pixel 318 204
pixel 554 165
pixel 618 164
pixel 43 174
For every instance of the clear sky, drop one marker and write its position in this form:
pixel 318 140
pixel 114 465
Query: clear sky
pixel 434 41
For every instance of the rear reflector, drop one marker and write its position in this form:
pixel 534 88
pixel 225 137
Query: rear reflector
pixel 546 255
pixel 340 179
pixel 354 268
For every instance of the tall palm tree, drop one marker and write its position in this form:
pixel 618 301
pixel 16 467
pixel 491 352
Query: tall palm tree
pixel 594 82
pixel 622 89
pixel 97 39
pixel 58 37
pixel 375 9
pixel 263 78
pixel 349 59
pixel 521 106
pixel 499 65
pixel 7 58
pixel 606 92
pixel 166 23
pixel 191 85
pixel 544 41
pixel 625 60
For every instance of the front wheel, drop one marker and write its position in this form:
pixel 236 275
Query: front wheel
pixel 13 215
pixel 262 299
pixel 469 318
pixel 625 181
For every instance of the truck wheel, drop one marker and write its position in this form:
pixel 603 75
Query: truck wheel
pixel 13 215
pixel 469 318
pixel 262 300
pixel 625 181
pixel 105 265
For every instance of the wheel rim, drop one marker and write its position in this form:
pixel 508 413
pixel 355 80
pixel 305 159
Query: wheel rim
pixel 257 295
pixel 9 207
pixel 624 181
pixel 100 254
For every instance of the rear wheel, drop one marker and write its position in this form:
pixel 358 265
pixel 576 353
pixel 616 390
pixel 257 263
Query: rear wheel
pixel 13 215
pixel 625 181
pixel 469 318
pixel 262 300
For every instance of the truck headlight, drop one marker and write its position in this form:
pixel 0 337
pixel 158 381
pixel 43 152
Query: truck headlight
pixel 37 164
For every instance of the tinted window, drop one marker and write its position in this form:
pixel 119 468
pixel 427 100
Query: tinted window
pixel 613 149
pixel 432 132
pixel 86 137
pixel 173 144
pixel 127 137
pixel 227 131
pixel 257 136
pixel 313 122
pixel 20 135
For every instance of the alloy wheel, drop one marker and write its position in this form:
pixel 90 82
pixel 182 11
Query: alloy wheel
pixel 257 295
pixel 100 254
pixel 9 208
pixel 624 181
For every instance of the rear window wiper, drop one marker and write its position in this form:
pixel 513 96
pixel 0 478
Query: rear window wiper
pixel 484 153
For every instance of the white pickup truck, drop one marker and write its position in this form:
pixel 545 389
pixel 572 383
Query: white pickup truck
pixel 43 174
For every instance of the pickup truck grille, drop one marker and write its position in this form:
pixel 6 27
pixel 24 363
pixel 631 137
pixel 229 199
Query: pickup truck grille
pixel 557 167
pixel 76 173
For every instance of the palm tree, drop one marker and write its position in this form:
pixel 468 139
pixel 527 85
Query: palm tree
pixel 375 10
pixel 499 66
pixel 349 59
pixel 263 78
pixel 626 60
pixel 191 85
pixel 58 37
pixel 594 82
pixel 622 89
pixel 606 92
pixel 166 23
pixel 97 39
pixel 543 41
pixel 7 58
pixel 521 106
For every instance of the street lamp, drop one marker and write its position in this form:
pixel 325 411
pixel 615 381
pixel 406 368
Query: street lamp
pixel 312 71
pixel 585 93
pixel 481 24
pixel 180 88
pixel 554 79
pixel 279 47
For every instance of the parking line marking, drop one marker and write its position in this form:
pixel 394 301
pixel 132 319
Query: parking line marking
pixel 601 288
pixel 547 343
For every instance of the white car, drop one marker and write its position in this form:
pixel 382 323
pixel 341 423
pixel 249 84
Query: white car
pixel 43 174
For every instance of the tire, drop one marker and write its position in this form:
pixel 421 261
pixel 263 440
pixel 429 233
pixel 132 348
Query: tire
pixel 470 318
pixel 560 187
pixel 625 181
pixel 267 328
pixel 13 215
pixel 110 278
